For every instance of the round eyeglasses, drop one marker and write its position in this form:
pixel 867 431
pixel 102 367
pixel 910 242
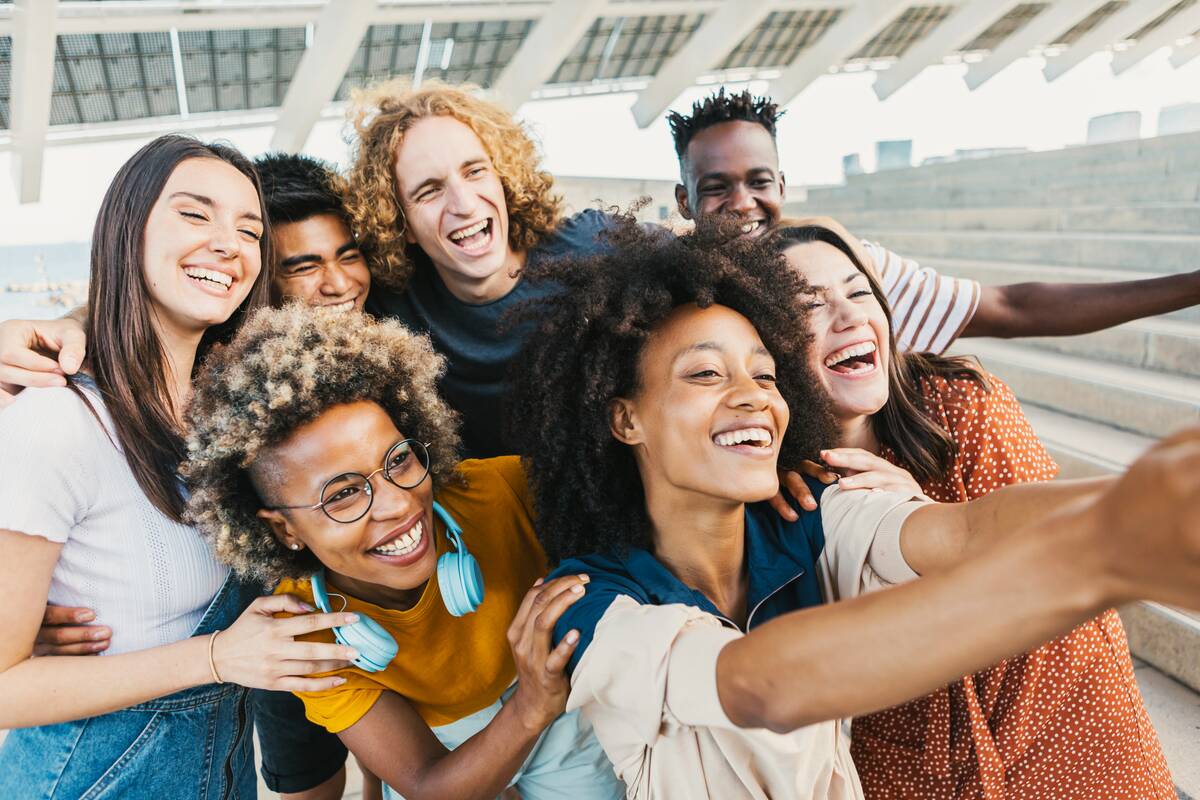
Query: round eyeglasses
pixel 347 497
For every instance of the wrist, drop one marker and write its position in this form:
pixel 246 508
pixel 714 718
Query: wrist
pixel 528 716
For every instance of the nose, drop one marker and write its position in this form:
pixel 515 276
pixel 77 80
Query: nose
pixel 224 241
pixel 390 501
pixel 848 314
pixel 741 201
pixel 747 393
pixel 460 199
pixel 335 282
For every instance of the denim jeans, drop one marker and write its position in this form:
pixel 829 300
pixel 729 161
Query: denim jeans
pixel 191 744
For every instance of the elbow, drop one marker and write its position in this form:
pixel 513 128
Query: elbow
pixel 750 698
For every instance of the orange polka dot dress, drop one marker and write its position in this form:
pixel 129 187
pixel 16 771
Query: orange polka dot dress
pixel 1063 722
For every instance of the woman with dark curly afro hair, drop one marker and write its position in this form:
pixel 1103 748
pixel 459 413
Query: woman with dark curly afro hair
pixel 720 644
pixel 322 458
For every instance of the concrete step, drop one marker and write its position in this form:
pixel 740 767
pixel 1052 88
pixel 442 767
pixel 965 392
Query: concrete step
pixel 1174 710
pixel 981 195
pixel 1153 344
pixel 1136 400
pixel 1127 251
pixel 1146 219
pixel 1083 448
pixel 994 273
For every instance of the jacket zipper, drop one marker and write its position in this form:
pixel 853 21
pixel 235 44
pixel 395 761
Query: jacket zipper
pixel 237 740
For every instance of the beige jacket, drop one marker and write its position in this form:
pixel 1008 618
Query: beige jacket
pixel 648 684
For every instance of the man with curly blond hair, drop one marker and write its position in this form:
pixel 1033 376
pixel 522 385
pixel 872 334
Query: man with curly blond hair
pixel 447 195
pixel 318 446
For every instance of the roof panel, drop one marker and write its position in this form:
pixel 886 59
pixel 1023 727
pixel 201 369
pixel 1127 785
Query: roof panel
pixel 106 77
pixel 234 70
pixel 1016 18
pixel 625 47
pixel 1163 19
pixel 1090 21
pixel 903 32
pixel 780 37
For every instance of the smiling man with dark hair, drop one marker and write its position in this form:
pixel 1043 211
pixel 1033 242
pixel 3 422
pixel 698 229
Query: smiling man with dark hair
pixel 729 165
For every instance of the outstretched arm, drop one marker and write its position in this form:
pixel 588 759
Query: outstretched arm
pixel 1069 309
pixel 1138 538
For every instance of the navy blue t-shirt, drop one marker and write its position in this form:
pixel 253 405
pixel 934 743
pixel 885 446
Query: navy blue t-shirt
pixel 477 346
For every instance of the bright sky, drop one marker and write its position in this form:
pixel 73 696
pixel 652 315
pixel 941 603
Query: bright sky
pixel 596 136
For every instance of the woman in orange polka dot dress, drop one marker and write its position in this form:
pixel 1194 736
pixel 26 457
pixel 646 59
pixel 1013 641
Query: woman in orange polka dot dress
pixel 1061 722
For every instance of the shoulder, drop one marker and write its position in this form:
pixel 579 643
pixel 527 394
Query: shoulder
pixel 498 481
pixel 609 583
pixel 53 418
pixel 579 234
pixel 964 397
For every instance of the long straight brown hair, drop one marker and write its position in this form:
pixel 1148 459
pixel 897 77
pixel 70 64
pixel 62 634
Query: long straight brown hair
pixel 125 355
pixel 925 447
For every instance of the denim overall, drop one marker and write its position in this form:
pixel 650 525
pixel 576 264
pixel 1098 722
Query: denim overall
pixel 192 744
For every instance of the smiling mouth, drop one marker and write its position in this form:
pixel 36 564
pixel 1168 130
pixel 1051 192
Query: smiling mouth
pixel 473 238
pixel 404 544
pixel 759 438
pixel 857 359
pixel 209 277
pixel 348 305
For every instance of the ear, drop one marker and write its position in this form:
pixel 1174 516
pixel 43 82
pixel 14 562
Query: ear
pixel 782 185
pixel 622 421
pixel 681 201
pixel 408 234
pixel 279 526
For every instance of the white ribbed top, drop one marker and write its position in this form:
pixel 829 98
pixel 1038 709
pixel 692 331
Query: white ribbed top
pixel 148 578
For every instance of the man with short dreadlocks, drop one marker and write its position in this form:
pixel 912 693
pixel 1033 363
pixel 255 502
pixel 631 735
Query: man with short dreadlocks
pixel 729 165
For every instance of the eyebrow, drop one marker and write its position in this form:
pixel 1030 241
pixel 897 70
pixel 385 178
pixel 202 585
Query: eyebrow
pixel 208 201
pixel 469 162
pixel 304 258
pixel 816 287
pixel 698 346
pixel 719 175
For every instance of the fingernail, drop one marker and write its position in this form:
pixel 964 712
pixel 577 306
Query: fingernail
pixel 307 607
pixel 350 618
pixel 577 588
pixel 538 582
pixel 84 616
pixel 338 681
pixel 584 578
pixel 99 634
pixel 571 637
pixel 351 654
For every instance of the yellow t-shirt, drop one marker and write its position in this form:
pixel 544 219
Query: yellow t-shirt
pixel 447 667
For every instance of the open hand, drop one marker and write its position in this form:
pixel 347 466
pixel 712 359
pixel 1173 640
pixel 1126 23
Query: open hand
pixel 542 686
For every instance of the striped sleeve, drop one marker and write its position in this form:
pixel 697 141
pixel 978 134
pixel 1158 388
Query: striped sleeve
pixel 929 311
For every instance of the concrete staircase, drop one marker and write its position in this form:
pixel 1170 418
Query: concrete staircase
pixel 1118 211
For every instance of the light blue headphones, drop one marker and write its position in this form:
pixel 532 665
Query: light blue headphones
pixel 459 579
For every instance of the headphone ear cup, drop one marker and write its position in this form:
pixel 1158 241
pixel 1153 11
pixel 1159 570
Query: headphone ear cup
pixel 461 582
pixel 376 647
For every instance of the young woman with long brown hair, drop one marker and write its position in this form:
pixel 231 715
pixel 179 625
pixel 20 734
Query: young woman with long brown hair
pixel 1064 720
pixel 91 512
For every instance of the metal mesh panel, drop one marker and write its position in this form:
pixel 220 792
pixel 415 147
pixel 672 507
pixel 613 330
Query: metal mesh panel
pixel 625 47
pixel 473 52
pixel 1164 19
pixel 1092 20
pixel 780 38
pixel 234 70
pixel 112 76
pixel 5 79
pixel 910 27
pixel 1017 17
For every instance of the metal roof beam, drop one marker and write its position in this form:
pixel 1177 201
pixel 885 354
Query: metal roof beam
pixel 32 81
pixel 712 41
pixel 319 74
pixel 1164 35
pixel 1040 30
pixel 1186 52
pixel 550 41
pixel 1113 29
pixel 968 21
pixel 854 28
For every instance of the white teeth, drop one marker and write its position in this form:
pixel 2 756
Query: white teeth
pixel 463 233
pixel 402 545
pixel 750 227
pixel 853 350
pixel 346 306
pixel 208 275
pixel 731 438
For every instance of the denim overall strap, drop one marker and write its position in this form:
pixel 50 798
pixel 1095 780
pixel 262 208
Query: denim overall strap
pixel 194 744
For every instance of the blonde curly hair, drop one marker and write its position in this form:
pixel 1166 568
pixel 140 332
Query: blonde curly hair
pixel 284 368
pixel 381 115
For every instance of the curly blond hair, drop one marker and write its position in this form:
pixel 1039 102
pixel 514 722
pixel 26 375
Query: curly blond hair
pixel 382 112
pixel 284 368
